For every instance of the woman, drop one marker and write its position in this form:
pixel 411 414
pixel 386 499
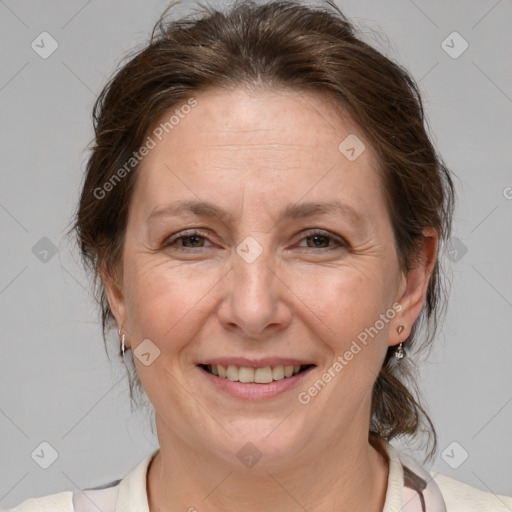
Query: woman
pixel 263 210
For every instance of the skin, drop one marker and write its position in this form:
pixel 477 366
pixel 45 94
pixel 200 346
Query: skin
pixel 253 153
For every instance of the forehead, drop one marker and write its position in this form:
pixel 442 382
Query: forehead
pixel 271 146
pixel 255 120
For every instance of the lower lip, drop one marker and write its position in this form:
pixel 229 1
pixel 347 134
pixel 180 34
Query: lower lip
pixel 253 391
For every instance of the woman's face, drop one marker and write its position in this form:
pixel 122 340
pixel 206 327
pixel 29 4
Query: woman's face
pixel 280 277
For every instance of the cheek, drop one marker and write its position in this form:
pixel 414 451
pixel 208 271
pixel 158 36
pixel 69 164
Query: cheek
pixel 349 310
pixel 346 299
pixel 166 305
pixel 165 301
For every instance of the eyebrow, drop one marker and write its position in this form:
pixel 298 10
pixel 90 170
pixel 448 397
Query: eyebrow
pixel 294 211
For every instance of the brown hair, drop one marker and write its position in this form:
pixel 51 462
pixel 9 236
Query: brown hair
pixel 280 44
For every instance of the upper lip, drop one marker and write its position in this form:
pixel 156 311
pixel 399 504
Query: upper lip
pixel 255 363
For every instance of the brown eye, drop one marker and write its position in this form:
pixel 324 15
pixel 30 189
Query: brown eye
pixel 318 241
pixel 189 240
pixel 194 240
pixel 323 240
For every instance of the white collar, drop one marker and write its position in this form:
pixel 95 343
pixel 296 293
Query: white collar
pixel 133 494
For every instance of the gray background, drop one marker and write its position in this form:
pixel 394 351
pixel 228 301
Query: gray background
pixel 57 384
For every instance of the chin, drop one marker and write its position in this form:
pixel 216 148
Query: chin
pixel 258 443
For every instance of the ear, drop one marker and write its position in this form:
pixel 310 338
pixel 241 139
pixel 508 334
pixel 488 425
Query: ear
pixel 413 287
pixel 112 283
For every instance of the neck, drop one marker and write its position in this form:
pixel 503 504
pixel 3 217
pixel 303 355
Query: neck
pixel 352 477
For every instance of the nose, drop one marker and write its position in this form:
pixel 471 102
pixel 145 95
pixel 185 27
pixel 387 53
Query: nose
pixel 256 300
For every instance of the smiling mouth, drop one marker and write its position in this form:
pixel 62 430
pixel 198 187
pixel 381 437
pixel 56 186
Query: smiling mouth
pixel 263 375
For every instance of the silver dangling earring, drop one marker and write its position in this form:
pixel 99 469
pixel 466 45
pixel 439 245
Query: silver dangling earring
pixel 122 341
pixel 400 352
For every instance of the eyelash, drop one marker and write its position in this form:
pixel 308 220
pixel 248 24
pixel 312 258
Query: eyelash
pixel 338 242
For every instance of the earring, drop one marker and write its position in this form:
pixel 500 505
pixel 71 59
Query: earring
pixel 122 341
pixel 400 352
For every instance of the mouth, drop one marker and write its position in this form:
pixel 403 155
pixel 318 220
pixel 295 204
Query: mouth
pixel 250 375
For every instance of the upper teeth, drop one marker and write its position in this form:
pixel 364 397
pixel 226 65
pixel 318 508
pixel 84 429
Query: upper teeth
pixel 259 375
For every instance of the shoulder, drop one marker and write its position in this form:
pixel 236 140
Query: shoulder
pixel 60 502
pixel 102 498
pixel 128 491
pixel 462 497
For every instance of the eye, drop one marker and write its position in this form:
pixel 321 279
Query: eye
pixel 189 239
pixel 319 239
pixel 195 240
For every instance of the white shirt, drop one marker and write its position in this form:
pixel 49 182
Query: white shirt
pixel 410 489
